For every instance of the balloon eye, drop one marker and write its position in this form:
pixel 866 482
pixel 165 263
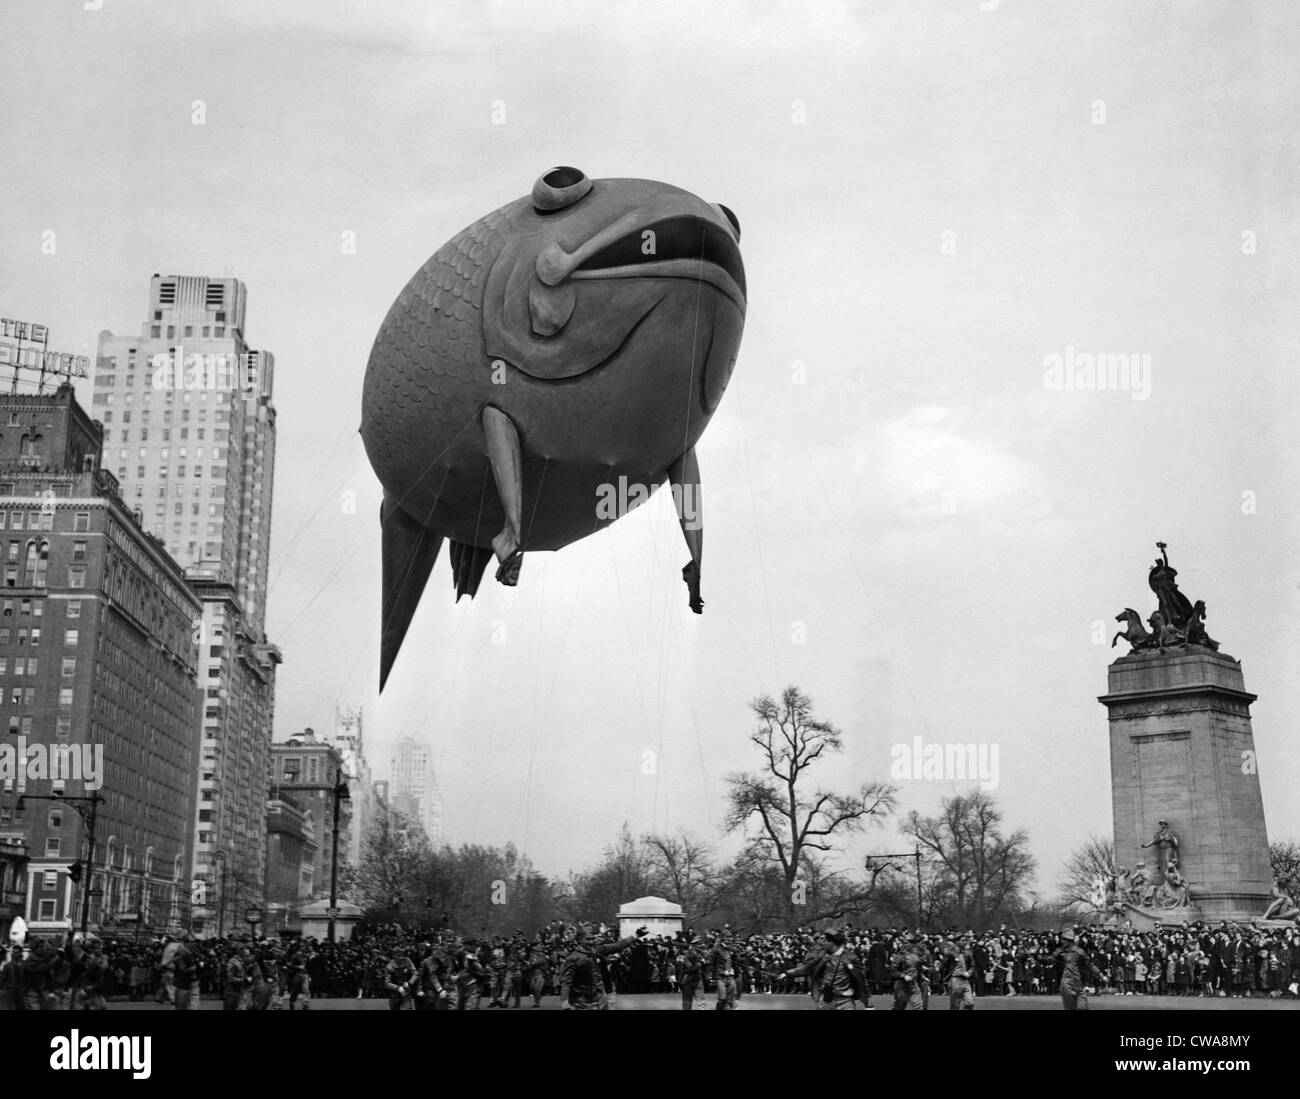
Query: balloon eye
pixel 558 188
pixel 735 221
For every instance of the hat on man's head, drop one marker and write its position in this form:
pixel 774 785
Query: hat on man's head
pixel 834 936
pixel 1068 933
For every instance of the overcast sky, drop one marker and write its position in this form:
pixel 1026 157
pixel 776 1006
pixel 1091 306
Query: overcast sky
pixel 901 517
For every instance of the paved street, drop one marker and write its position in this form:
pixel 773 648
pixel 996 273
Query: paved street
pixel 802 1003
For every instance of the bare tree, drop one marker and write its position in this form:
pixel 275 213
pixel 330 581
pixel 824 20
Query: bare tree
pixel 794 822
pixel 1093 861
pixel 984 872
pixel 682 867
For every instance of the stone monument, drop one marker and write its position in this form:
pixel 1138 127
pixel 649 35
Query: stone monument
pixel 656 915
pixel 1184 781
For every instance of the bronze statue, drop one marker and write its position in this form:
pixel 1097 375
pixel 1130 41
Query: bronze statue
pixel 1164 635
pixel 1166 845
pixel 1135 634
pixel 1282 907
pixel 1136 881
pixel 1174 606
pixel 1176 623
pixel 544 372
pixel 1196 634
pixel 1174 892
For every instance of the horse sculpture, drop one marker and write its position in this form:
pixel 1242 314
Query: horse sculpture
pixel 1136 634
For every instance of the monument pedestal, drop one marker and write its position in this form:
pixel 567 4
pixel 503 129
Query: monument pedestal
pixel 1182 751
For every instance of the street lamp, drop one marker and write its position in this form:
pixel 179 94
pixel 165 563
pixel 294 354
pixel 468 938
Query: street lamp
pixel 916 854
pixel 340 795
pixel 87 809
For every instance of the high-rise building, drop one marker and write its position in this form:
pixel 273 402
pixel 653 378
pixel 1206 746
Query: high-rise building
pixel 98 684
pixel 189 428
pixel 237 677
pixel 412 782
pixel 308 769
pixel 348 740
pixel 290 859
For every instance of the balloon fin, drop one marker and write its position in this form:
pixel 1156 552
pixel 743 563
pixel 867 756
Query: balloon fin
pixel 505 455
pixel 684 477
pixel 468 564
pixel 408 551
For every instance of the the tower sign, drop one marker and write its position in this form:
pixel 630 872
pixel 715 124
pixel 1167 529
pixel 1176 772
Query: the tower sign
pixel 24 346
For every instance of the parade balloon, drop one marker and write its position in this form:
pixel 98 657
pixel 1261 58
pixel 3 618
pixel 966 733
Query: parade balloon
pixel 546 370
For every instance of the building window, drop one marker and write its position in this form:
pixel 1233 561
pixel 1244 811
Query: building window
pixel 63 726
pixel 50 880
pixel 56 818
pixel 74 608
pixel 79 551
pixel 81 521
pixel 69 668
pixel 47 910
pixel 52 846
pixel 36 636
pixel 65 696
pixel 205 815
pixel 70 637
pixel 76 576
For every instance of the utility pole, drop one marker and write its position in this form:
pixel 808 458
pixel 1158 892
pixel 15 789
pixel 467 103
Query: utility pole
pixel 220 857
pixel 87 808
pixel 916 854
pixel 341 794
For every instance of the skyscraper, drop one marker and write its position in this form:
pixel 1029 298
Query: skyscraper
pixel 189 429
pixel 412 782
pixel 349 741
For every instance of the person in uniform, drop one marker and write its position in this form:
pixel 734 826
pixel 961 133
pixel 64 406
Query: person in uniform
pixel 724 971
pixel 11 981
pixel 692 971
pixel 430 994
pixel 185 976
pixel 399 982
pixel 296 978
pixel 497 967
pixel 909 965
pixel 235 995
pixel 536 969
pixel 835 975
pixel 95 977
pixel 581 985
pixel 469 976
pixel 956 971
pixel 514 975
pixel 1077 970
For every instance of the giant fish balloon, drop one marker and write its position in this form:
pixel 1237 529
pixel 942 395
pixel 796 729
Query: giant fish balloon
pixel 550 364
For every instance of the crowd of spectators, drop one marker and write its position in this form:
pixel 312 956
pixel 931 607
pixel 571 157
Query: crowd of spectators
pixel 1228 960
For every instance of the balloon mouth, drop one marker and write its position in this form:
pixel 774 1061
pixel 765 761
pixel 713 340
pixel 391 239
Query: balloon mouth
pixel 688 270
pixel 683 247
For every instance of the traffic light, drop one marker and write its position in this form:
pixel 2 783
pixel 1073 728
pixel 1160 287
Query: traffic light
pixel 74 871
